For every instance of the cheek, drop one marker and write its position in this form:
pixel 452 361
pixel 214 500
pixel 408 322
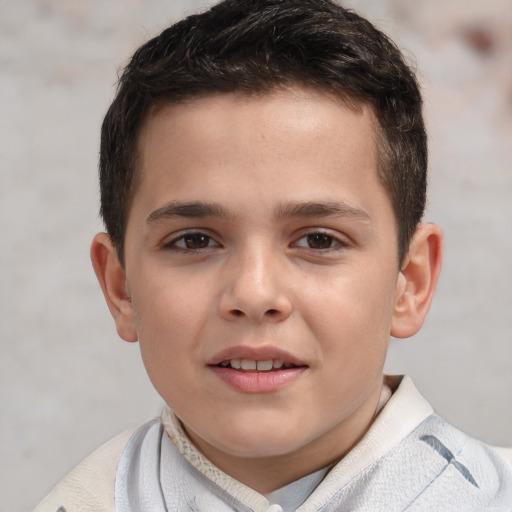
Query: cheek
pixel 168 340
pixel 168 316
pixel 352 318
pixel 164 301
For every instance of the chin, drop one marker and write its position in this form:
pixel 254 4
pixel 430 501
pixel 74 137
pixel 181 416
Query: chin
pixel 259 442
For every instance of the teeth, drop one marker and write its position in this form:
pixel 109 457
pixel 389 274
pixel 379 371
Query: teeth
pixel 264 365
pixel 249 364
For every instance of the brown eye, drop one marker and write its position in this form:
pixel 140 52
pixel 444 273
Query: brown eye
pixel 319 241
pixel 196 241
pixel 193 241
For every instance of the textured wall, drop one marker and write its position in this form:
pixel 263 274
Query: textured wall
pixel 66 383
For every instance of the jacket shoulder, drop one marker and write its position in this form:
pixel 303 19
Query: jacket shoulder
pixel 467 474
pixel 506 453
pixel 89 487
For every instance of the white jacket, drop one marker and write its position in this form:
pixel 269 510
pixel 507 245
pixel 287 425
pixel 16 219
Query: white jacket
pixel 410 459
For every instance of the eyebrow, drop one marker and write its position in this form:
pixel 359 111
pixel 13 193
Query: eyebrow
pixel 320 209
pixel 199 209
pixel 192 210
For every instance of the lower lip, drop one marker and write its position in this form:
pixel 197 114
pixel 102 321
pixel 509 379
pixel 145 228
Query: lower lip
pixel 257 382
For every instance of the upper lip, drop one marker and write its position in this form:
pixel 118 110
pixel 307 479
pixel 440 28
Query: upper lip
pixel 264 353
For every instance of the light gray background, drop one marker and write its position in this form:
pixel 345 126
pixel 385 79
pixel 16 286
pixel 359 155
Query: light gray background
pixel 67 383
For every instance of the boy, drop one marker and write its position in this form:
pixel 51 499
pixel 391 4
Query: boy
pixel 263 179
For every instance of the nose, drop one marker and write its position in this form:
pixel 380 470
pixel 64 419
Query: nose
pixel 254 288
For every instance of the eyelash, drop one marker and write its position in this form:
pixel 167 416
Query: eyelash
pixel 173 244
pixel 334 243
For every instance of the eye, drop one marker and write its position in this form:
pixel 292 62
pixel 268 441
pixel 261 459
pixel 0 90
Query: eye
pixel 319 241
pixel 192 241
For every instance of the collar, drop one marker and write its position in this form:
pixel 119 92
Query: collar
pixel 403 412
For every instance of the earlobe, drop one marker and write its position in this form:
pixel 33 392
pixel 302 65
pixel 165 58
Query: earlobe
pixel 112 279
pixel 417 281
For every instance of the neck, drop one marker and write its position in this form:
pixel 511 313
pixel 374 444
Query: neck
pixel 268 473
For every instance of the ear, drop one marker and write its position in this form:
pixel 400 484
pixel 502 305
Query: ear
pixel 417 281
pixel 112 279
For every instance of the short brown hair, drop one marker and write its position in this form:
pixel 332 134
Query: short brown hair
pixel 254 46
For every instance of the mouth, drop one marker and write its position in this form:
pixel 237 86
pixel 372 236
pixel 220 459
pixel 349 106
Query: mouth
pixel 261 370
pixel 251 365
pixel 256 359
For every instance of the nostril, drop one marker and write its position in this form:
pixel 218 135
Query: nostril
pixel 272 312
pixel 237 312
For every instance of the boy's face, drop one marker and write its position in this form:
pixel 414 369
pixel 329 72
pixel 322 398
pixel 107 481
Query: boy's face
pixel 260 232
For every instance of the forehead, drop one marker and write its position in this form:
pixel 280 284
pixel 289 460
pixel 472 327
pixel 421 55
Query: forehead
pixel 206 120
pixel 286 137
